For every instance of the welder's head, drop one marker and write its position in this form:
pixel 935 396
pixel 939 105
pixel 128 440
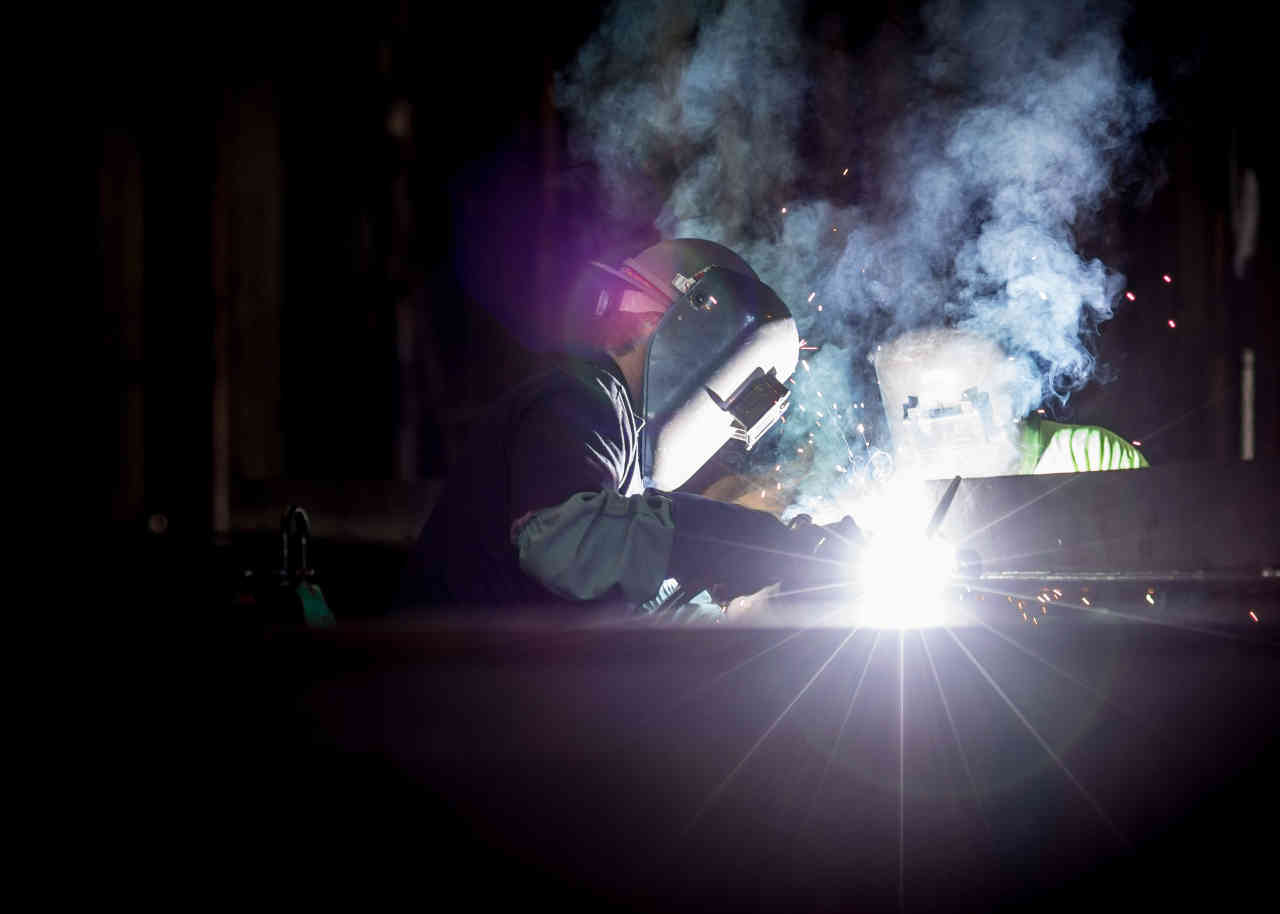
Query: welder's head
pixel 719 348
pixel 949 398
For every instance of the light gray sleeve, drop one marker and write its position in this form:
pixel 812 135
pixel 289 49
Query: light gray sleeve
pixel 593 541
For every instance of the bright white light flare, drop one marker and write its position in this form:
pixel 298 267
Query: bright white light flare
pixel 900 579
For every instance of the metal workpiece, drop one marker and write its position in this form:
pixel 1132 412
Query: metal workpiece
pixel 1179 522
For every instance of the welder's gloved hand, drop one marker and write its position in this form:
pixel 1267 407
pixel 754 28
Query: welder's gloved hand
pixel 735 551
pixel 830 555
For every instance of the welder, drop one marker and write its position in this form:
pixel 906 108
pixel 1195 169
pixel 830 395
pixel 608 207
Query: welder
pixel 954 401
pixel 568 490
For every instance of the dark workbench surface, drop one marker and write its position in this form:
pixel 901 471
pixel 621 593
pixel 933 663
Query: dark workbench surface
pixel 1120 760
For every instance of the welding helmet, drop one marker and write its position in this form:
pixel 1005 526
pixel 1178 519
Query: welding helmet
pixel 717 364
pixel 950 397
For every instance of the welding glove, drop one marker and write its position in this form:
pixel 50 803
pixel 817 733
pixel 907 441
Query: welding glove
pixel 830 554
pixel 735 551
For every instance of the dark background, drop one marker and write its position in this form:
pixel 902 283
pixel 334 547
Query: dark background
pixel 323 240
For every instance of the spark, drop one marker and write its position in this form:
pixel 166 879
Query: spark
pixel 1085 601
pixel 806 365
pixel 779 486
pixel 1151 599
pixel 1253 615
pixel 811 295
pixel 1130 296
pixel 843 173
pixel 1167 278
pixel 1035 621
pixel 1043 297
pixel 1040 411
pixel 840 468
pixel 784 210
pixel 1137 443
pixel 811 348
pixel 778 468
pixel 861 428
pixel 819 307
pixel 799 450
pixel 762 493
pixel 801 406
pixel 833 228
pixel 819 393
pixel 1173 325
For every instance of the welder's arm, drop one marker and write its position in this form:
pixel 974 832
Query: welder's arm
pixel 579 538
pixel 738 550
pixel 572 530
pixel 594 541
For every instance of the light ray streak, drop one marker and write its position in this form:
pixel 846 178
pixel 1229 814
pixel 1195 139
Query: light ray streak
pixel 902 761
pixel 1134 718
pixel 995 560
pixel 955 733
pixel 756 548
pixel 1041 740
pixel 756 656
pixel 826 768
pixel 728 779
pixel 638 732
pixel 1022 507
pixel 1178 419
pixel 813 589
pixel 725 674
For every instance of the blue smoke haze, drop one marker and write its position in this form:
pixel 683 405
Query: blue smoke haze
pixel 979 142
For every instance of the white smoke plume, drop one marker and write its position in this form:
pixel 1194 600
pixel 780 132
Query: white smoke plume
pixel 979 139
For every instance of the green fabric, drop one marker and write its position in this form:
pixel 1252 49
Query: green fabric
pixel 1053 447
pixel 315 611
pixel 593 541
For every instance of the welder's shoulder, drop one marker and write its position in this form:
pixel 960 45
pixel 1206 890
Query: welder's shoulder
pixel 563 402
pixel 1086 448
